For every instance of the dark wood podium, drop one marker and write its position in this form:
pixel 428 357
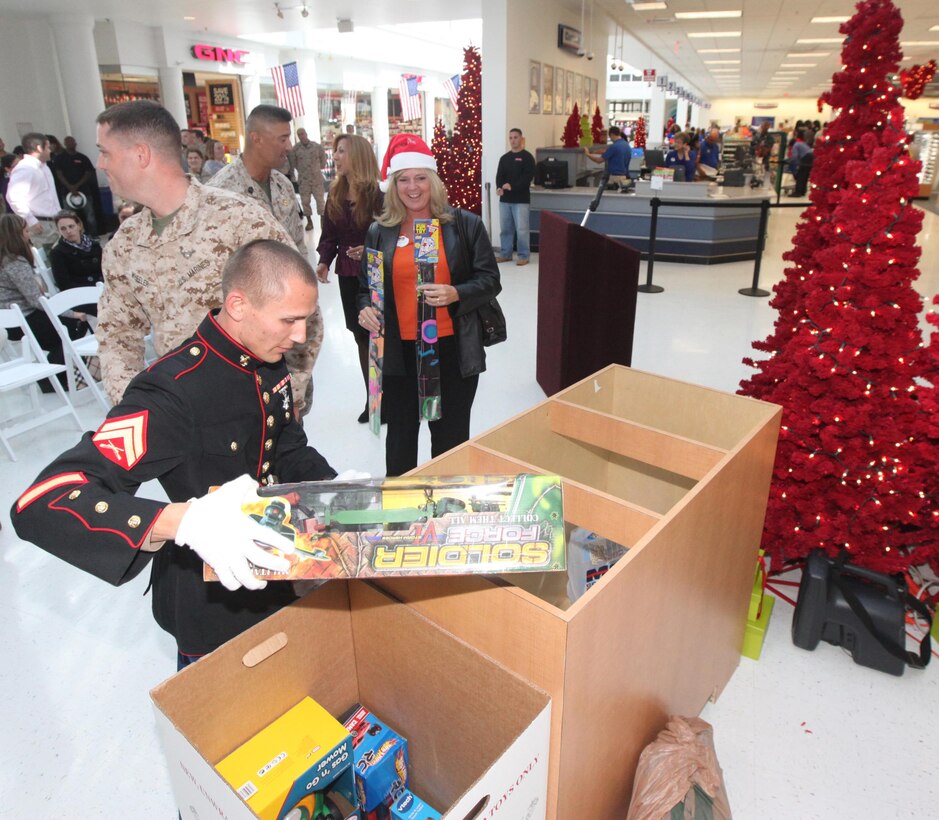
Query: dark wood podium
pixel 586 302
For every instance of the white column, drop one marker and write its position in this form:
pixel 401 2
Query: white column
pixel 694 114
pixel 656 117
pixel 171 93
pixel 380 130
pixel 81 81
pixel 306 66
pixel 496 77
pixel 681 117
pixel 250 92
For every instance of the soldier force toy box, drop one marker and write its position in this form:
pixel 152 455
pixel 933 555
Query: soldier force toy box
pixel 420 525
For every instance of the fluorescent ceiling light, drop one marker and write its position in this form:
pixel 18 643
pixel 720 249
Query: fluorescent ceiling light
pixel 705 15
pixel 830 19
pixel 934 28
pixel 649 6
pixel 810 40
pixel 722 62
pixel 800 54
pixel 920 43
pixel 718 51
pixel 725 70
pixel 798 65
pixel 716 34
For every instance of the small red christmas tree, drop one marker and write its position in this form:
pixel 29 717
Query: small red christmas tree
pixel 440 146
pixel 596 127
pixel 639 135
pixel 571 136
pixel 466 148
pixel 856 463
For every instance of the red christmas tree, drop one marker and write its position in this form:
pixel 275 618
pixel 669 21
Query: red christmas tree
pixel 571 136
pixel 597 129
pixel 857 457
pixel 639 135
pixel 440 146
pixel 464 179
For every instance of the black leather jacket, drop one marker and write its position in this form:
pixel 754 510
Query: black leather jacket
pixel 473 272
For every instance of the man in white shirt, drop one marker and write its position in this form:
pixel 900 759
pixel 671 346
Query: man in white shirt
pixel 31 192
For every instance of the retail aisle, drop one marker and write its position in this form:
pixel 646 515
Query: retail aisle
pixel 799 735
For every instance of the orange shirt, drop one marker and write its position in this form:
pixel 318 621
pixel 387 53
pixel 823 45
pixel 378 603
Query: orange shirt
pixel 404 272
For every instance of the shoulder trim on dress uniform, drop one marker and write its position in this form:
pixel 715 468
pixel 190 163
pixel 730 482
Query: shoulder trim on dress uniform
pixel 43 487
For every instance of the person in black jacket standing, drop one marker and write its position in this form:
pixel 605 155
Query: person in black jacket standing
pixel 513 183
pixel 466 277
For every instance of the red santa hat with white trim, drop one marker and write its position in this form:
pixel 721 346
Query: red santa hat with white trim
pixel 405 151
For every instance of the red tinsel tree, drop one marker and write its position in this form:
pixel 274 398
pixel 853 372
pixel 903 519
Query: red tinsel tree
pixel 440 146
pixel 571 136
pixel 857 454
pixel 597 130
pixel 639 135
pixel 464 185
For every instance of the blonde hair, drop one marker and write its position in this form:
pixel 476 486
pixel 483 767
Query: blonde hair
pixel 359 182
pixel 395 213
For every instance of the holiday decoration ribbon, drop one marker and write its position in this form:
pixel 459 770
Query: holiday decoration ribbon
pixel 426 256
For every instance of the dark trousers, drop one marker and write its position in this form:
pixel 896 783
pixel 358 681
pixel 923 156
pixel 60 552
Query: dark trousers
pixel 400 408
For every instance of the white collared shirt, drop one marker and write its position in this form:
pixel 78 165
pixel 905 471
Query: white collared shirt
pixel 31 192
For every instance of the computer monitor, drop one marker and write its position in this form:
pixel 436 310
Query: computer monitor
pixel 654 158
pixel 636 158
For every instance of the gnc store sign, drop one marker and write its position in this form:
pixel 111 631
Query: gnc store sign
pixel 217 54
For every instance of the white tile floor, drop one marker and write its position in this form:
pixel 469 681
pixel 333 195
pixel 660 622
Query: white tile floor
pixel 799 735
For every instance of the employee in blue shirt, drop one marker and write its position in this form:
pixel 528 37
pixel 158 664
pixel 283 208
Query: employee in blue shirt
pixel 616 156
pixel 710 151
pixel 682 155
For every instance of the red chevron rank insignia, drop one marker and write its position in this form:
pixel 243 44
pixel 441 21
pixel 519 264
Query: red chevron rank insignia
pixel 123 440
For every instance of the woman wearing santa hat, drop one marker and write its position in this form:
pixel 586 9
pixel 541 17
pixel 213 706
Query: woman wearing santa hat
pixel 466 277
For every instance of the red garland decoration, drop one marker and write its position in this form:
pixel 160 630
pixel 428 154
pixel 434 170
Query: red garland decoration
pixel 639 135
pixel 597 131
pixel 571 136
pixel 461 169
pixel 914 80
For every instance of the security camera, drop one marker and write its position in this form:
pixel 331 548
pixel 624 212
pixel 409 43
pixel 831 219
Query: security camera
pixel 589 55
pixel 581 52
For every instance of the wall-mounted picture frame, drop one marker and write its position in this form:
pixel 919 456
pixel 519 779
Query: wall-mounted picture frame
pixel 534 87
pixel 547 89
pixel 559 81
pixel 569 93
pixel 579 93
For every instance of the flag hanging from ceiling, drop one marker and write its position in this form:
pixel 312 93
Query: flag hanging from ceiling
pixel 410 97
pixel 287 86
pixel 453 88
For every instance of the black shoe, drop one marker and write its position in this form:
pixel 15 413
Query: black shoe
pixel 363 417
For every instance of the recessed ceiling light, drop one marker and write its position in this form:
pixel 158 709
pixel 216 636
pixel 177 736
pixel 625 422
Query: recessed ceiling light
pixel 920 43
pixel 694 34
pixel 801 54
pixel 830 19
pixel 705 15
pixel 725 70
pixel 649 6
pixel 810 40
pixel 722 62
pixel 798 65
pixel 934 28
pixel 189 18
pixel 718 51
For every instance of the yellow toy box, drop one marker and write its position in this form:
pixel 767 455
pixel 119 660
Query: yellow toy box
pixel 304 751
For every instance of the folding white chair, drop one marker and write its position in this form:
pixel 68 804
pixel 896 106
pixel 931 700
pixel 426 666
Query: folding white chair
pixel 76 350
pixel 26 370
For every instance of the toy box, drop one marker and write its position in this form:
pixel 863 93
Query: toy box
pixel 410 807
pixel 305 750
pixel 475 730
pixel 380 757
pixel 415 526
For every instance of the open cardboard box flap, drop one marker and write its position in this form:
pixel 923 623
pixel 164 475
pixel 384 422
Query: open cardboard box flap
pixel 476 731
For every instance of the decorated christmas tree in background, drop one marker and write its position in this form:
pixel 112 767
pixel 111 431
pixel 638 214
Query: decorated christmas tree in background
pixel 857 460
pixel 440 147
pixel 571 136
pixel 596 127
pixel 461 168
pixel 586 136
pixel 639 135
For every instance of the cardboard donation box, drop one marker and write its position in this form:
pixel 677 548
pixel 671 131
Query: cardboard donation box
pixel 477 733
pixel 679 475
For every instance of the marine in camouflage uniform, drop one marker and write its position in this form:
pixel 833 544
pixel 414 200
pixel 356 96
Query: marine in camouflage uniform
pixel 283 205
pixel 308 159
pixel 169 281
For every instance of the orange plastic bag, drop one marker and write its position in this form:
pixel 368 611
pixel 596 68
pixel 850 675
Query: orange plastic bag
pixel 678 776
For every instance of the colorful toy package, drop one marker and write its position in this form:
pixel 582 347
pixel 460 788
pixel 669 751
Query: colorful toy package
pixel 415 525
pixel 410 807
pixel 286 769
pixel 380 756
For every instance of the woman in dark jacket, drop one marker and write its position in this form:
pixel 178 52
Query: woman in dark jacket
pixel 76 258
pixel 466 277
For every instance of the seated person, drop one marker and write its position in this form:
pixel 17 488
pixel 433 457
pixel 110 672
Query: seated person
pixel 682 155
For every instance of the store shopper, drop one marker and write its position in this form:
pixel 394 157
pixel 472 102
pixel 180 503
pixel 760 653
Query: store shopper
pixel 513 185
pixel 466 277
pixel 31 191
pixel 214 412
pixel 353 203
pixel 196 163
pixel 76 258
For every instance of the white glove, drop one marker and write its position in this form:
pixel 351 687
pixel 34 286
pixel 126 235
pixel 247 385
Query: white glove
pixel 225 538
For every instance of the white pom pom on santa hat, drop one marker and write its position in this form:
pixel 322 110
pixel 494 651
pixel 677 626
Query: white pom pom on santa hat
pixel 405 151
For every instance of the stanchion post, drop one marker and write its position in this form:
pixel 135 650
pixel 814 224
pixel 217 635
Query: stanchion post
pixel 648 287
pixel 754 289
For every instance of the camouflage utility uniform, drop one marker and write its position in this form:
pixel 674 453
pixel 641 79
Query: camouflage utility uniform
pixel 283 205
pixel 309 161
pixel 171 280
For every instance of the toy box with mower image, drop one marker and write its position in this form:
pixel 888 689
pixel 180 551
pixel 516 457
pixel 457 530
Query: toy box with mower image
pixel 413 526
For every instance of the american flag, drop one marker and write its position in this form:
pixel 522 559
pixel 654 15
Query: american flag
pixel 452 87
pixel 287 86
pixel 410 97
